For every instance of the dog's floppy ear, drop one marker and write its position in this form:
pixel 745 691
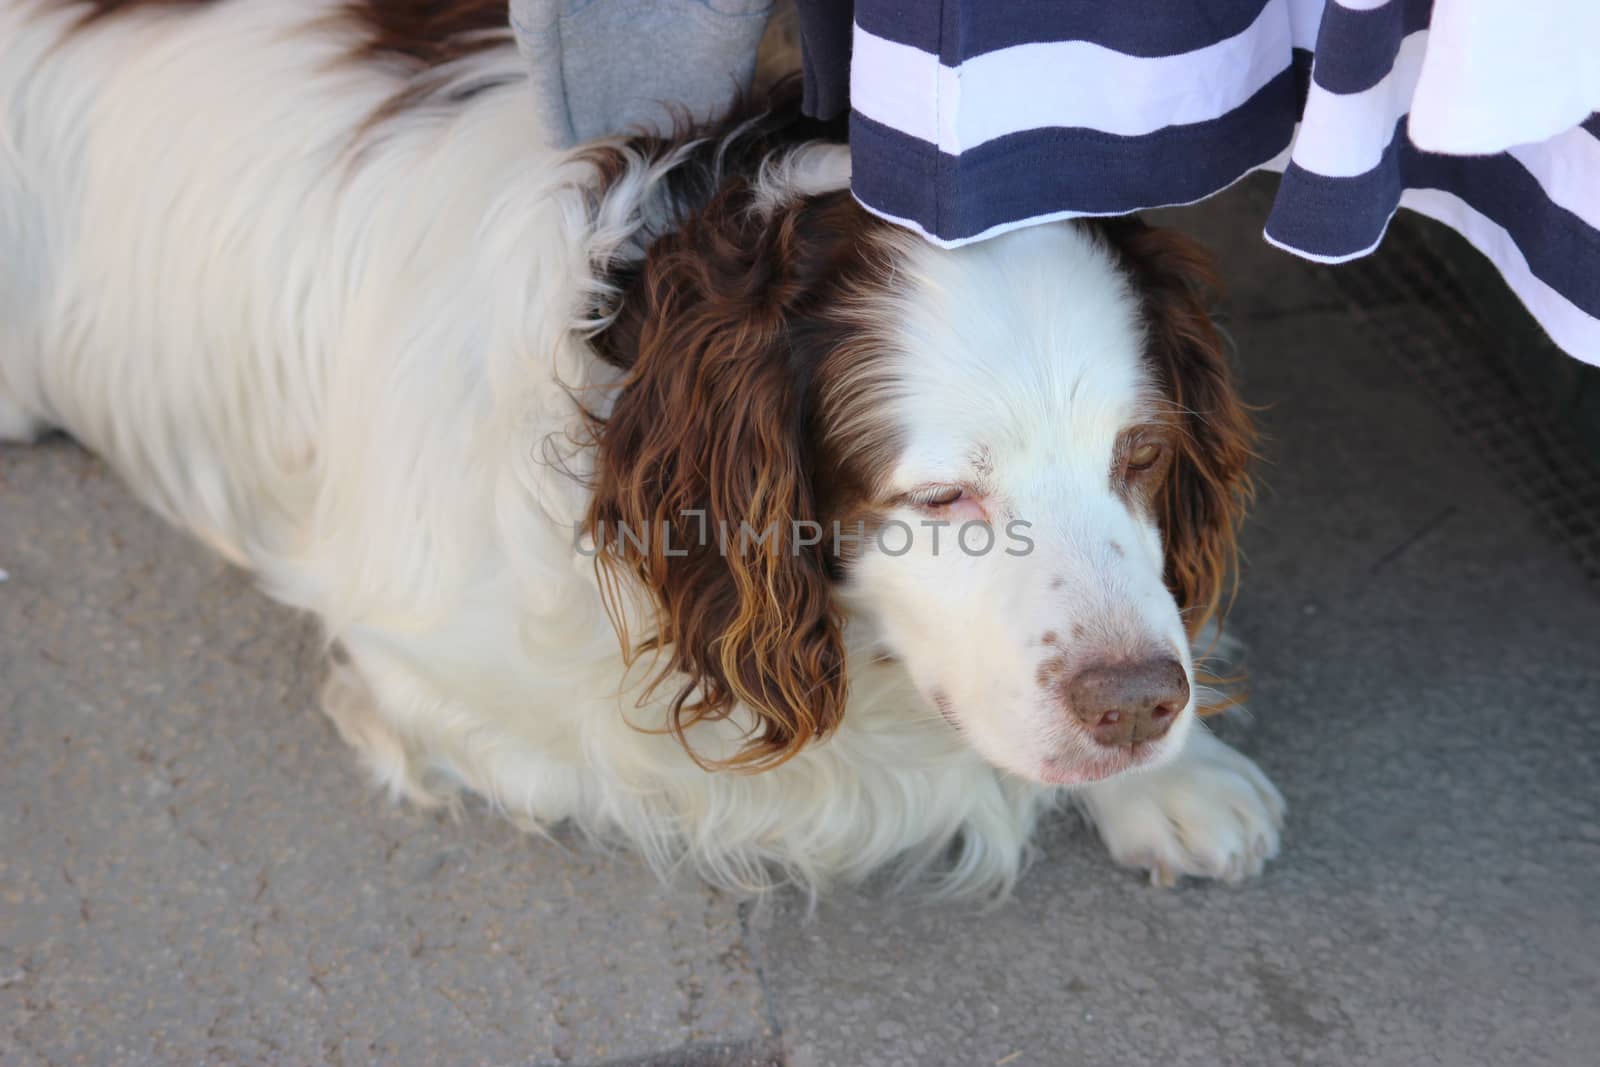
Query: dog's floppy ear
pixel 709 436
pixel 1208 487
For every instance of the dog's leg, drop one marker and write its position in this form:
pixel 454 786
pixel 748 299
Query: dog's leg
pixel 352 705
pixel 16 425
pixel 1209 813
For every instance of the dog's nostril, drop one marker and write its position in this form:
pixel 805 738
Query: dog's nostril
pixel 1126 704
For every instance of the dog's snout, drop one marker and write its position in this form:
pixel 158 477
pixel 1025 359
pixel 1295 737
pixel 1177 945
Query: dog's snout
pixel 1128 703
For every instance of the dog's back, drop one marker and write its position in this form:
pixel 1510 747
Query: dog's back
pixel 254 246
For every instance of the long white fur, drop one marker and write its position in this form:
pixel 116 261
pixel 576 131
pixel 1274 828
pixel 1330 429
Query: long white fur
pixel 340 355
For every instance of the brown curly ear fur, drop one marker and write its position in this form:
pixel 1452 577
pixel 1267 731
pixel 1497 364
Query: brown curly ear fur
pixel 1208 487
pixel 711 435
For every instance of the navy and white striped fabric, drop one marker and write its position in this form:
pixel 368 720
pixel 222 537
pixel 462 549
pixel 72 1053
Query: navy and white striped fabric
pixel 973 117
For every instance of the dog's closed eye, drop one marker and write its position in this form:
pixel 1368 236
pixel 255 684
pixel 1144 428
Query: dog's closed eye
pixel 1142 456
pixel 936 497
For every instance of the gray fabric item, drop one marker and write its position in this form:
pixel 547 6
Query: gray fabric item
pixel 607 66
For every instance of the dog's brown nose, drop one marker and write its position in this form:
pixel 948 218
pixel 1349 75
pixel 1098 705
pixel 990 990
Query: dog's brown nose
pixel 1128 703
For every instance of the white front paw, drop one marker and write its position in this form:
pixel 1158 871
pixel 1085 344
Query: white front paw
pixel 1210 813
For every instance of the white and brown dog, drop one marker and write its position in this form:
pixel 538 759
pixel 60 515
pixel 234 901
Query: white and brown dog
pixel 656 485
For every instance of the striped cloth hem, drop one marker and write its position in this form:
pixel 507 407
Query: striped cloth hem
pixel 970 120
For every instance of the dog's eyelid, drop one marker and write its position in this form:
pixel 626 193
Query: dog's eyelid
pixel 1140 448
pixel 1154 432
pixel 940 495
pixel 1142 455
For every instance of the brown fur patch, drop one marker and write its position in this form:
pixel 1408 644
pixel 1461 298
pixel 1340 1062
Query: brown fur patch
pixel 417 36
pixel 95 10
pixel 422 33
pixel 429 33
pixel 743 358
pixel 426 32
pixel 422 38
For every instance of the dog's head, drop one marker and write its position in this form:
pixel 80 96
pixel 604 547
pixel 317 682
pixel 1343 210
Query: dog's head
pixel 1020 463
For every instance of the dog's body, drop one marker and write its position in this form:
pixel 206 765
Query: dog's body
pixel 337 310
